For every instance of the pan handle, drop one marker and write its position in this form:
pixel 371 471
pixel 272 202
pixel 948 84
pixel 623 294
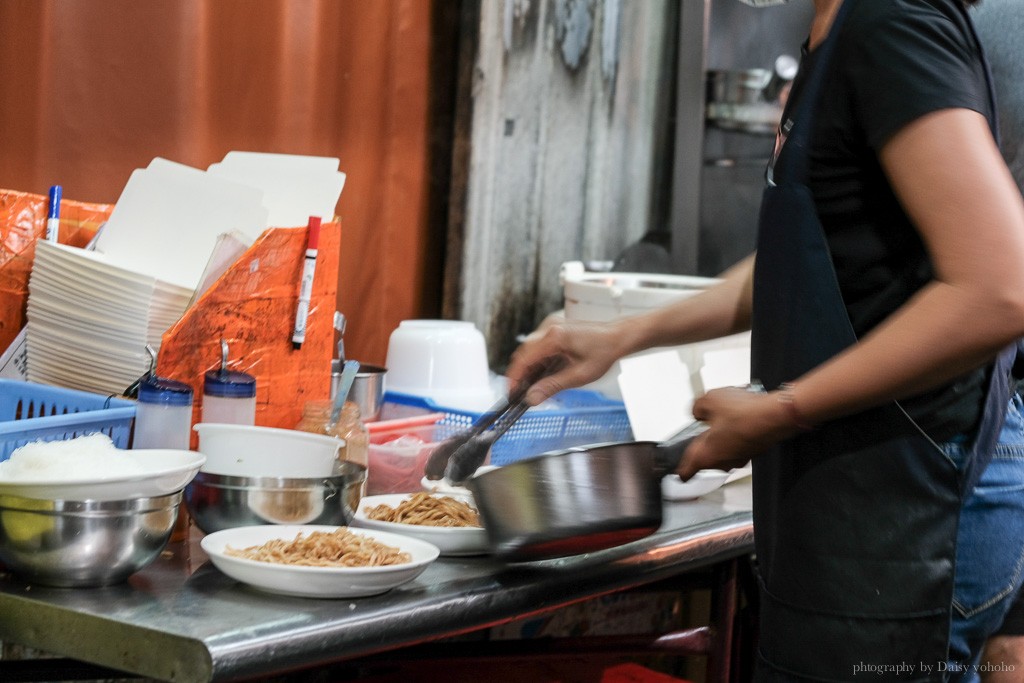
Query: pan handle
pixel 669 453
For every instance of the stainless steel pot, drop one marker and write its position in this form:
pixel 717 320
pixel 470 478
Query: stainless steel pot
pixel 577 500
pixel 749 99
pixel 751 86
pixel 218 501
pixel 745 86
pixel 367 388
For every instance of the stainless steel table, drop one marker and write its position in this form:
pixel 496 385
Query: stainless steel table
pixel 180 619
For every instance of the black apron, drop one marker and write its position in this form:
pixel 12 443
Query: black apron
pixel 855 522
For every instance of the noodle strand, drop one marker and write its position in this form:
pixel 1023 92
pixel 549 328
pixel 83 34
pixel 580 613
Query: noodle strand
pixel 340 548
pixel 426 510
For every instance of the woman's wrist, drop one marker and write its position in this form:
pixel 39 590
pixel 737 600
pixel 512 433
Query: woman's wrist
pixel 629 335
pixel 785 395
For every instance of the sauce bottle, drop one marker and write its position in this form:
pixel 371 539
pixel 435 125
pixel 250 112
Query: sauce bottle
pixel 163 419
pixel 229 397
pixel 163 415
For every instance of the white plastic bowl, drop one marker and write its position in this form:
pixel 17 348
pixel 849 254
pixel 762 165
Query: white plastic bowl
pixel 443 360
pixel 248 451
pixel 700 484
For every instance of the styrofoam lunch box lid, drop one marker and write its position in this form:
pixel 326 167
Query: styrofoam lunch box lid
pixel 590 294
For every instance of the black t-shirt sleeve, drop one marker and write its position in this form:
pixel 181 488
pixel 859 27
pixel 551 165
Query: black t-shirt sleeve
pixel 903 64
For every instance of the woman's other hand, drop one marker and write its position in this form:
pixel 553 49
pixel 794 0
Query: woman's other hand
pixel 741 424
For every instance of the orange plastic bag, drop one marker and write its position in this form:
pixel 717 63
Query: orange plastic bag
pixel 252 308
pixel 22 222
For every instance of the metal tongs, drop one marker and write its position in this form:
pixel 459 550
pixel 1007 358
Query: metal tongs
pixel 459 456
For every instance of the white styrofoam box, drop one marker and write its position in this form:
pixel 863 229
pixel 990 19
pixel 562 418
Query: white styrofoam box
pixel 725 367
pixel 167 220
pixel 294 187
pixel 658 394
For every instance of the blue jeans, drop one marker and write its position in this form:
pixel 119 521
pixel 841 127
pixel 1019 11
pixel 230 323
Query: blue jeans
pixel 990 547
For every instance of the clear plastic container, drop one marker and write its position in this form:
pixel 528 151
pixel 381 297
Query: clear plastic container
pixel 229 397
pixel 163 415
pixel 316 418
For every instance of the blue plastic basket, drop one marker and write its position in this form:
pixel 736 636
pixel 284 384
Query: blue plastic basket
pixel 38 412
pixel 581 417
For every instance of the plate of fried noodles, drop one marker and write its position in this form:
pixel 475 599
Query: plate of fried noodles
pixel 318 561
pixel 448 521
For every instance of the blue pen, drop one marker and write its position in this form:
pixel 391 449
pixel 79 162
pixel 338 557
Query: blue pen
pixel 53 219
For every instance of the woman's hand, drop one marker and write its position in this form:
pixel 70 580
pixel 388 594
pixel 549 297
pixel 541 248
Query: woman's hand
pixel 585 351
pixel 741 424
pixel 582 352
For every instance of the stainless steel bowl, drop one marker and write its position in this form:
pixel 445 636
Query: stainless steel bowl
pixel 83 543
pixel 218 501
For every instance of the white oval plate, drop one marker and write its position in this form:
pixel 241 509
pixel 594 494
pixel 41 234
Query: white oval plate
pixel 314 582
pixel 167 471
pixel 452 541
pixel 700 484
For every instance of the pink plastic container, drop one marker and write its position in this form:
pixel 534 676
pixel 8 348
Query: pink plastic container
pixel 399 450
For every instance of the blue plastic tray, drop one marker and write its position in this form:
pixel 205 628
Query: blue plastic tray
pixel 581 417
pixel 38 412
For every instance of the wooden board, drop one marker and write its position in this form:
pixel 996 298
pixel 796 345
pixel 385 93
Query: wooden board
pixel 566 152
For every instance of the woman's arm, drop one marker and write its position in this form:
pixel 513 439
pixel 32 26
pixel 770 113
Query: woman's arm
pixel 716 312
pixel 589 349
pixel 949 176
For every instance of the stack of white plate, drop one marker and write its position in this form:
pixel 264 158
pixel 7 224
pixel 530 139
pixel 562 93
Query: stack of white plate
pixel 89 321
pixel 91 314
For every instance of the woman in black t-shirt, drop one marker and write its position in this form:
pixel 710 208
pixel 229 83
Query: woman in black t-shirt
pixel 904 213
pixel 1000 25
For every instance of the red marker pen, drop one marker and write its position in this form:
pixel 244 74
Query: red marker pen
pixel 306 286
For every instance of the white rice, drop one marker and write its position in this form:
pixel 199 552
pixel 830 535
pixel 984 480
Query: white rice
pixel 80 459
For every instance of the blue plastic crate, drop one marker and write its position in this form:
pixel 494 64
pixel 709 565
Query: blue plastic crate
pixel 38 412
pixel 581 417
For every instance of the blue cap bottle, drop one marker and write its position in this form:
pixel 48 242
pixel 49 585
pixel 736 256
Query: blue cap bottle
pixel 229 397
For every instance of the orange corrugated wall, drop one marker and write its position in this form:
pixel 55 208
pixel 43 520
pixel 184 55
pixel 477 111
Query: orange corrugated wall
pixel 92 89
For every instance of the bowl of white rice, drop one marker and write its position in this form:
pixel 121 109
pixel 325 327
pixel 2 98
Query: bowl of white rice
pixel 92 468
pixel 83 513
